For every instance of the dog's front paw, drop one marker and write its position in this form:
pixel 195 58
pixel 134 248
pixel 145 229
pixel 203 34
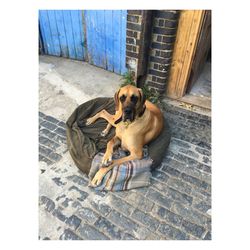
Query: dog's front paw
pixel 104 132
pixel 90 121
pixel 107 159
pixel 96 181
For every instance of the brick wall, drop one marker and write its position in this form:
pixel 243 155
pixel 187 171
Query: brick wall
pixel 149 46
pixel 133 37
pixel 138 41
pixel 164 29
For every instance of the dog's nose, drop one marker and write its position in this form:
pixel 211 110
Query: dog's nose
pixel 127 110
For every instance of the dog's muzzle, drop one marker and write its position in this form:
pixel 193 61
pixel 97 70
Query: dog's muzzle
pixel 128 114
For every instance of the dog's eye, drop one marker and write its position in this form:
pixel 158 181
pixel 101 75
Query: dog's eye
pixel 122 98
pixel 134 98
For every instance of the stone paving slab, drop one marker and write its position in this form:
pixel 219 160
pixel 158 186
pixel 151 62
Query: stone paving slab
pixel 176 206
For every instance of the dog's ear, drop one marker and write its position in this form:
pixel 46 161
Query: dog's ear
pixel 118 120
pixel 116 98
pixel 142 99
pixel 117 103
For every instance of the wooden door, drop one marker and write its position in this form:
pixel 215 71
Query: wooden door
pixel 62 33
pixel 106 39
pixel 96 36
pixel 189 27
pixel 202 50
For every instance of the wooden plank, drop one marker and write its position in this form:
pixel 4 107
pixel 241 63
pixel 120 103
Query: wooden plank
pixel 95 37
pixel 77 29
pixel 186 40
pixel 204 102
pixel 62 34
pixel 82 28
pixel 90 27
pixel 42 36
pixel 96 40
pixel 87 35
pixel 123 41
pixel 46 33
pixel 100 39
pixel 117 42
pixel 69 33
pixel 109 40
pixel 202 50
pixel 41 49
pixel 54 33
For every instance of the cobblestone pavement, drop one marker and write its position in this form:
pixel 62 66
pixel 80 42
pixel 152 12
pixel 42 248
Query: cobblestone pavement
pixel 177 205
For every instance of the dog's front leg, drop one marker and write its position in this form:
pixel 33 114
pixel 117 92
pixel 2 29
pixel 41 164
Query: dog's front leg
pixel 106 130
pixel 96 181
pixel 107 158
pixel 102 114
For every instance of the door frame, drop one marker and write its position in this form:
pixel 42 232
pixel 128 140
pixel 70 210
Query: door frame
pixel 189 27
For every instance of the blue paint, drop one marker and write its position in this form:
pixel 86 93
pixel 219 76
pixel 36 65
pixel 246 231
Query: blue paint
pixel 90 26
pixel 41 49
pixel 54 33
pixel 81 27
pixel 123 41
pixel 77 33
pixel 106 38
pixel 63 34
pixel 43 38
pixel 69 33
pixel 109 39
pixel 117 40
pixel 46 34
pixel 100 42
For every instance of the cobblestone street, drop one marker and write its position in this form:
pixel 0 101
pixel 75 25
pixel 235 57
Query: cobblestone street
pixel 176 206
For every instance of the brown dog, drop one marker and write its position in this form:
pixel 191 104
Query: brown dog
pixel 137 122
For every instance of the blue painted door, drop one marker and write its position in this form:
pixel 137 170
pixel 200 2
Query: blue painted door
pixel 106 39
pixel 62 33
pixel 97 36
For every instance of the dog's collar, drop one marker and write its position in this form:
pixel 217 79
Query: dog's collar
pixel 119 120
pixel 142 112
pixel 127 123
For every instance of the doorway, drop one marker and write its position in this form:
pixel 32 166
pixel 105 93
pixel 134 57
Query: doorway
pixel 190 73
pixel 199 84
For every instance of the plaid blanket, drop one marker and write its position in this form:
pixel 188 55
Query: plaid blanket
pixel 129 175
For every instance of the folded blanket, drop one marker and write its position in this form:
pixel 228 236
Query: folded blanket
pixel 129 175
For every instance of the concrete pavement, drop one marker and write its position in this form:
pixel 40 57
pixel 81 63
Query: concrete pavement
pixel 65 83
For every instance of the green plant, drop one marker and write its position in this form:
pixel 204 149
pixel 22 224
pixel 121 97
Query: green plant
pixel 128 79
pixel 150 94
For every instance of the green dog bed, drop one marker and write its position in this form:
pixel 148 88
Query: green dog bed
pixel 84 142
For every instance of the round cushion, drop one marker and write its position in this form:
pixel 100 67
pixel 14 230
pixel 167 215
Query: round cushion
pixel 84 142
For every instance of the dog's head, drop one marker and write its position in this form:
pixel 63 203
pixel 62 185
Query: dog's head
pixel 131 102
